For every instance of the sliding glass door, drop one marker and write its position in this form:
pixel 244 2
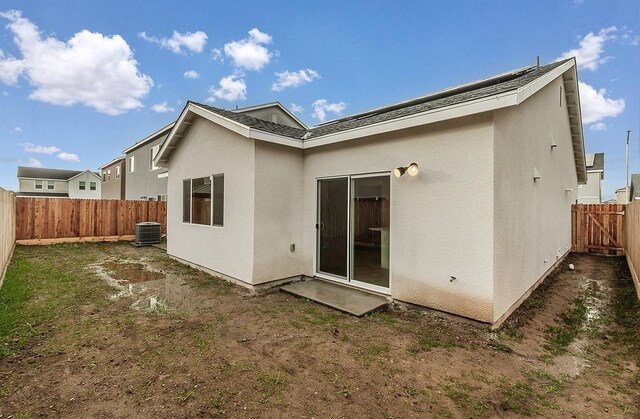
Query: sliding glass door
pixel 333 227
pixel 353 230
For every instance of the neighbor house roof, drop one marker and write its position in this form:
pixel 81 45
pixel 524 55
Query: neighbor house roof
pixel 49 195
pixel 114 161
pixel 162 131
pixel 42 173
pixel 503 90
pixel 595 162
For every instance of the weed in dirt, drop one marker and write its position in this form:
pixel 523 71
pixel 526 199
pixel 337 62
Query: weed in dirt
pixel 571 321
pixel 344 392
pixel 185 396
pixel 426 343
pixel 272 384
pixel 499 346
pixel 462 395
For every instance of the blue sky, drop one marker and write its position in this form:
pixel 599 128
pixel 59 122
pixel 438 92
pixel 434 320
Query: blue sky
pixel 321 59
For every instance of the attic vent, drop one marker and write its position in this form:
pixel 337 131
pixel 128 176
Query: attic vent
pixel 274 118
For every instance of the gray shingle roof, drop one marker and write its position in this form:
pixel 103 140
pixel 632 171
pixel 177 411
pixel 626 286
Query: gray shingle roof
pixel 493 86
pixel 44 194
pixel 256 123
pixel 598 162
pixel 41 173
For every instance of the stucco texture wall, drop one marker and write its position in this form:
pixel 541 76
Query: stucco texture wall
pixel 75 192
pixel 441 220
pixel 143 182
pixel 278 216
pixel 114 188
pixel 590 193
pixel 208 149
pixel 532 218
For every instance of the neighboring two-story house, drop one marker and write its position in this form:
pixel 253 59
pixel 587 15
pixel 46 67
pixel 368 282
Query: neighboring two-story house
pixel 591 193
pixel 114 174
pixel 143 179
pixel 56 183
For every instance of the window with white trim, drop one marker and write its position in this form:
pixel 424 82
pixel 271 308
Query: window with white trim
pixel 38 184
pixel 82 185
pixel 104 176
pixel 109 175
pixel 152 154
pixel 132 164
pixel 203 200
pixel 92 186
pixel 117 172
pixel 51 185
pixel 162 197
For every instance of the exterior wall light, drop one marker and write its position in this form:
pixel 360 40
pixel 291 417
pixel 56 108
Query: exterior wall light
pixel 412 169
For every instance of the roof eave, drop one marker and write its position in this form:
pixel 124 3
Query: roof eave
pixel 148 138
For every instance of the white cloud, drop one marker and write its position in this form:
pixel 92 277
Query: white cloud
pixel 40 149
pixel 192 41
pixel 599 126
pixel 31 162
pixel 596 105
pixel 10 68
pixel 191 74
pixel 231 88
pixel 589 54
pixel 71 157
pixel 91 69
pixel 294 79
pixel 216 54
pixel 250 53
pixel 321 107
pixel 162 107
pixel 5 94
pixel 296 108
pixel 17 129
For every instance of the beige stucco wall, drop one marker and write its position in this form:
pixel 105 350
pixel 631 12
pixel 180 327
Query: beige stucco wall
pixel 441 220
pixel 278 216
pixel 74 184
pixel 208 149
pixel 590 193
pixel 532 219
pixel 28 185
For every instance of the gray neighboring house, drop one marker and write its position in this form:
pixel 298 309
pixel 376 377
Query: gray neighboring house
pixel 114 175
pixel 591 193
pixel 144 180
pixel 634 192
pixel 57 183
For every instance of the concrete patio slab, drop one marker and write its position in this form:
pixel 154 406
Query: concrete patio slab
pixel 339 297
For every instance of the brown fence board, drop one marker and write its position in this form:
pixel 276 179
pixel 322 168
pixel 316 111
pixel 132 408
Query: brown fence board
pixel 632 241
pixel 52 218
pixel 598 228
pixel 7 229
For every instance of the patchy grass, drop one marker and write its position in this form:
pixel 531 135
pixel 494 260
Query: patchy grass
pixel 223 353
pixel 569 325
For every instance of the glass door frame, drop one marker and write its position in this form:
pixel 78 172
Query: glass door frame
pixel 348 280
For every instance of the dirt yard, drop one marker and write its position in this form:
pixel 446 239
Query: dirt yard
pixel 110 330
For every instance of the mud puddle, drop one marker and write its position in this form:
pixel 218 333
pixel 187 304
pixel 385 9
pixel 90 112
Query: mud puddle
pixel 151 289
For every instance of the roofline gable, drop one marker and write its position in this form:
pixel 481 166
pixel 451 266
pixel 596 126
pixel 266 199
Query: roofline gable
pixel 149 138
pixel 268 105
pixel 567 70
pixel 85 171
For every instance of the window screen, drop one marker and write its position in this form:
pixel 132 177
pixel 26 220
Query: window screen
pixel 186 201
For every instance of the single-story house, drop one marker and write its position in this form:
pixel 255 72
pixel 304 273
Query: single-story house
pixel 259 198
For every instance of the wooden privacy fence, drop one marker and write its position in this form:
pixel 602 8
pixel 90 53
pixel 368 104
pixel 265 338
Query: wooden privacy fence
pixel 598 228
pixel 632 241
pixel 7 229
pixel 52 220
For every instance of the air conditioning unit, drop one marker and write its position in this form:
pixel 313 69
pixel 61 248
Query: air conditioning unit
pixel 148 233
